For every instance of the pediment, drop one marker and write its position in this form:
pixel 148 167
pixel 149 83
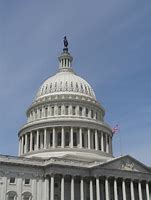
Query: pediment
pixel 126 163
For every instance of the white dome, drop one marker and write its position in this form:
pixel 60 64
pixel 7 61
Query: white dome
pixel 65 82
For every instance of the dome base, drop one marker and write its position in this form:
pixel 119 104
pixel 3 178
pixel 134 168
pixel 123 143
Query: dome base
pixel 77 155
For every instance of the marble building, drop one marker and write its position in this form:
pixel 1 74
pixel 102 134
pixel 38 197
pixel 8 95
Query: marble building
pixel 65 148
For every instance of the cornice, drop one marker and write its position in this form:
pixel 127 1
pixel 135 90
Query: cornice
pixel 65 122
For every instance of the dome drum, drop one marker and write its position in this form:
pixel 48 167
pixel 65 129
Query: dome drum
pixel 65 140
pixel 65 109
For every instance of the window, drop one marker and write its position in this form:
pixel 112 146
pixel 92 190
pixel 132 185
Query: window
pixel 55 86
pixel 27 181
pixel 82 88
pixel 61 86
pixel 77 88
pixel 26 196
pixel 87 111
pixel 96 116
pixel 92 115
pixel 80 111
pixel 66 110
pixel 50 87
pixel 73 110
pixel 40 114
pixel 71 86
pixel 59 110
pixel 12 180
pixel 66 86
pixel 86 91
pixel 46 112
pixel 11 195
pixel 52 111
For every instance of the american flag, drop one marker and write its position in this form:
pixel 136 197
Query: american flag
pixel 115 129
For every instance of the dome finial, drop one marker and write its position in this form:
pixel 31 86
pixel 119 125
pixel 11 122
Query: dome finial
pixel 65 41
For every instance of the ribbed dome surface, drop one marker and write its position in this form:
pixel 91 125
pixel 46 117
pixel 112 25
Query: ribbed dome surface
pixel 65 82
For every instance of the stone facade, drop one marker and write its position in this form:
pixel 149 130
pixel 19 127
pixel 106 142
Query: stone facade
pixel 65 148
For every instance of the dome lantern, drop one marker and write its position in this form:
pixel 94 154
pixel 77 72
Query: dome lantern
pixel 65 59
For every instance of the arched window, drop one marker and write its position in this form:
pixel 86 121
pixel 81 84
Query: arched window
pixel 11 195
pixel 26 196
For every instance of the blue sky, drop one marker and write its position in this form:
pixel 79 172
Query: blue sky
pixel 111 44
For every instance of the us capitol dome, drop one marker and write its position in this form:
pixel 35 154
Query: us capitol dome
pixel 65 119
pixel 65 148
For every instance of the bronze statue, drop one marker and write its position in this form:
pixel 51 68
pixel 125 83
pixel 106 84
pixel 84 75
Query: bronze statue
pixel 65 41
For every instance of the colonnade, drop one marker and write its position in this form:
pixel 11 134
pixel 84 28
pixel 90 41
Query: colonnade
pixel 58 110
pixel 65 137
pixel 96 188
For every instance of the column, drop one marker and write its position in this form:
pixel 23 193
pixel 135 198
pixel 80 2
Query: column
pixel 22 144
pixel 52 188
pixel 31 141
pixel 110 145
pixel 4 188
pixel 123 190
pixel 106 189
pixel 140 190
pixel 81 189
pixel 115 190
pixel 97 188
pixel 102 142
pixel 107 144
pixel 132 190
pixel 91 189
pixel 37 140
pixel 147 190
pixel 19 148
pixel 96 140
pixel 53 138
pixel 46 188
pixel 62 138
pixel 26 143
pixel 72 188
pixel 34 188
pixel 19 187
pixel 45 138
pixel 62 188
pixel 71 137
pixel 80 137
pixel 89 139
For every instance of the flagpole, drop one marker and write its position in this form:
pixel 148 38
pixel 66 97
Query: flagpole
pixel 120 141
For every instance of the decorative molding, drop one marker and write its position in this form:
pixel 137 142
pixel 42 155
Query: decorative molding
pixel 127 165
